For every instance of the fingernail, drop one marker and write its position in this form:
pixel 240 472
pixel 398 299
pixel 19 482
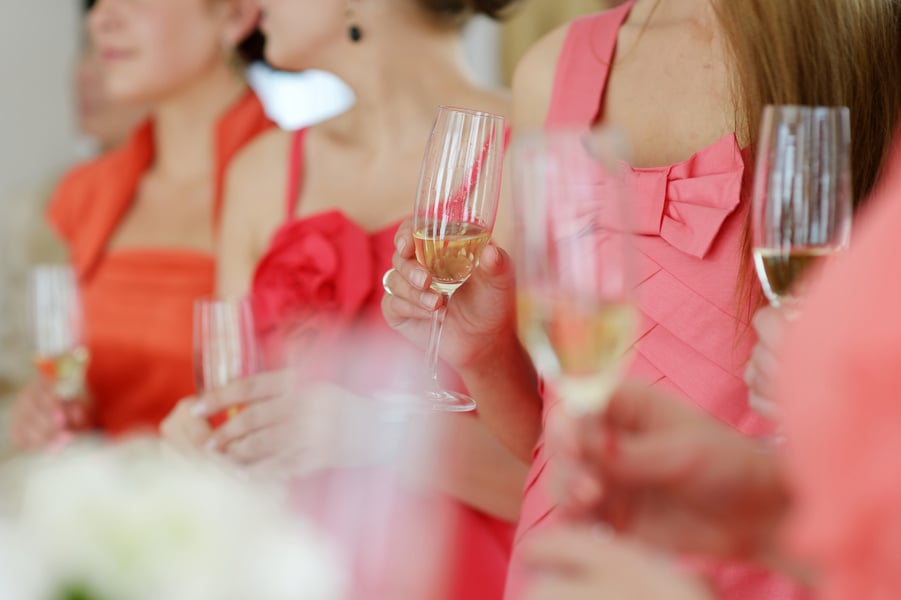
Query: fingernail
pixel 211 445
pixel 418 278
pixel 401 246
pixel 199 409
pixel 429 300
pixel 490 257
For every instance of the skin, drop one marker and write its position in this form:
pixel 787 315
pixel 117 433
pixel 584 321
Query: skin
pixel 167 55
pixel 578 564
pixel 99 116
pixel 769 325
pixel 670 477
pixel 404 67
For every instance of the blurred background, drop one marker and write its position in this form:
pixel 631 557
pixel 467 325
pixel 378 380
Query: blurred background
pixel 37 114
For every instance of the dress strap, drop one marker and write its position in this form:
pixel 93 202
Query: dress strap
pixel 295 170
pixel 584 67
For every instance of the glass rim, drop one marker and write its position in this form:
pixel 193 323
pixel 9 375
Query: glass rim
pixel 809 108
pixel 470 111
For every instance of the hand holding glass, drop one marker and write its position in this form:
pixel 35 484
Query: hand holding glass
pixel 57 329
pixel 455 209
pixel 225 346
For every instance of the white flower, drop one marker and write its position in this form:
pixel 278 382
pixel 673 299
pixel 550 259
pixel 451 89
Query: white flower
pixel 133 522
pixel 20 570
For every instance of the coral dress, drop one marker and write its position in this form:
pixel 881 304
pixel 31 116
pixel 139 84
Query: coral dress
pixel 694 338
pixel 320 282
pixel 842 411
pixel 138 302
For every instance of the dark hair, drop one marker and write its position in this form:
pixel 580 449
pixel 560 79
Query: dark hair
pixel 252 49
pixel 457 12
pixel 89 4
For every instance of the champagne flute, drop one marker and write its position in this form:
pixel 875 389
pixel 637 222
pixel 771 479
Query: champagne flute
pixel 802 203
pixel 573 257
pixel 57 329
pixel 456 206
pixel 226 348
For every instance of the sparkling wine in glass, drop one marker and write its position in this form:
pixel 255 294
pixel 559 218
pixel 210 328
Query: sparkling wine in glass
pixel 456 205
pixel 802 202
pixel 57 329
pixel 573 264
pixel 226 347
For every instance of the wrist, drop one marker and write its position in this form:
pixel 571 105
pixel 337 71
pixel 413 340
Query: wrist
pixel 497 356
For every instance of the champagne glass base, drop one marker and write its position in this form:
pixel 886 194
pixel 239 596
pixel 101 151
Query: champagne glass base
pixel 444 401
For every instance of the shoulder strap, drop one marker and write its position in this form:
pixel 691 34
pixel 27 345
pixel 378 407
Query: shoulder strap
pixel 295 168
pixel 584 66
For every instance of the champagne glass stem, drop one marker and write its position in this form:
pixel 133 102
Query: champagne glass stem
pixel 435 341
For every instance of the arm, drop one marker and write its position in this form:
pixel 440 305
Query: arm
pixel 479 338
pixel 476 469
pixel 505 386
pixel 252 210
pixel 285 432
pixel 533 84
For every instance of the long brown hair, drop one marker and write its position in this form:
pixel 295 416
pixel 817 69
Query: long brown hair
pixel 817 52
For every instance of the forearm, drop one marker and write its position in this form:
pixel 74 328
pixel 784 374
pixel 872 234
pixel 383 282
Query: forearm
pixel 505 386
pixel 460 456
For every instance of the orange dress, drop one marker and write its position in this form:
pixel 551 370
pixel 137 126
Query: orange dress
pixel 138 302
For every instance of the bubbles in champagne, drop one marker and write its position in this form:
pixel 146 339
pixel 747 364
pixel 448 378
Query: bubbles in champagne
pixel 450 252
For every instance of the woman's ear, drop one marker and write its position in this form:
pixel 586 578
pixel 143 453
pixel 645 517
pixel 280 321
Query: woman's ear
pixel 241 18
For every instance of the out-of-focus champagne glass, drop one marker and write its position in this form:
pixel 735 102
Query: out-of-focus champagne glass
pixel 573 264
pixel 226 348
pixel 57 329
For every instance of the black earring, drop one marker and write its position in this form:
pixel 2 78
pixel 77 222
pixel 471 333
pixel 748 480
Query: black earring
pixel 355 33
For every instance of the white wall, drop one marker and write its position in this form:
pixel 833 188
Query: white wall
pixel 38 42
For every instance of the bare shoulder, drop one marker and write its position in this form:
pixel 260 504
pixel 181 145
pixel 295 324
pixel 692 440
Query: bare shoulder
pixel 265 155
pixel 533 80
pixel 256 177
pixel 255 189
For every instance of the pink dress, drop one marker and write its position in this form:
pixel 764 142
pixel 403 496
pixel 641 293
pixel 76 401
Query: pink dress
pixel 694 338
pixel 842 412
pixel 321 280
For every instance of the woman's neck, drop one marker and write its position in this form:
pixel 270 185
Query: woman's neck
pixel 185 125
pixel 666 12
pixel 399 84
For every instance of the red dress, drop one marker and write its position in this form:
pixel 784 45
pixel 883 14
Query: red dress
pixel 322 274
pixel 694 339
pixel 138 302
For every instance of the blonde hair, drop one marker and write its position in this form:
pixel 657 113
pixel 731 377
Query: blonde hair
pixel 819 52
pixel 816 52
